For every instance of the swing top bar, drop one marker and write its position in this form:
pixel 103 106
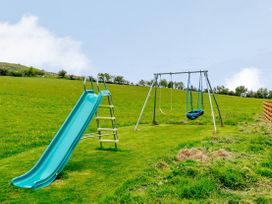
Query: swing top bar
pixel 155 84
pixel 188 72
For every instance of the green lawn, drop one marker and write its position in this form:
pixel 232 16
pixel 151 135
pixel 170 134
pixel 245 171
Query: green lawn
pixel 32 110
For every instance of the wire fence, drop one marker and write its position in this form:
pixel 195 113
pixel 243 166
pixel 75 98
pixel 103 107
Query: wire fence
pixel 267 110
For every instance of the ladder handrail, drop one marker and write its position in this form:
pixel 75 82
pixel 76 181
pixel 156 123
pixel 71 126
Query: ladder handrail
pixel 85 81
pixel 103 81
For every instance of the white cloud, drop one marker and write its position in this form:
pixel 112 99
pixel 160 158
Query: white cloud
pixel 248 77
pixel 26 42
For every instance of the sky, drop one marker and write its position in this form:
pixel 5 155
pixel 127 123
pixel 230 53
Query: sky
pixel 230 38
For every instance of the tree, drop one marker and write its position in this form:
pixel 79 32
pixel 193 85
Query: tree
pixel 179 85
pixel 29 71
pixel 62 73
pixel 194 88
pixel 149 82
pixel 119 79
pixel 231 93
pixel 41 73
pixel 240 90
pixel 3 71
pixel 251 94
pixel 126 82
pixel 221 90
pixel 269 94
pixel 92 79
pixel 100 76
pixel 107 77
pixel 104 76
pixel 163 83
pixel 72 77
pixel 170 84
pixel 141 82
pixel 262 93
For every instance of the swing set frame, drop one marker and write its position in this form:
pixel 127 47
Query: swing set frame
pixel 155 85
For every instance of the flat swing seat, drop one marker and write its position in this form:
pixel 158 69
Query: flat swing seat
pixel 194 114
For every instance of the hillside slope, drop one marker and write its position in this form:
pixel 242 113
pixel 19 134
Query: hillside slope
pixel 144 169
pixel 19 69
pixel 48 101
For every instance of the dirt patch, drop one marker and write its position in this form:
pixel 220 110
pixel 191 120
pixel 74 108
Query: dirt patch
pixel 222 154
pixel 162 165
pixel 192 154
pixel 200 155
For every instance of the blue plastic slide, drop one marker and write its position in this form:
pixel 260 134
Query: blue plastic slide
pixel 62 146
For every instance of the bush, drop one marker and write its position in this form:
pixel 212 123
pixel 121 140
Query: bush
pixel 3 72
pixel 72 77
pixel 14 73
pixel 62 73
pixel 29 72
pixel 33 72
pixel 119 80
pixel 21 72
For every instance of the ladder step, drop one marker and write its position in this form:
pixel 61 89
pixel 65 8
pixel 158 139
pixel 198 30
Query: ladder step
pixel 115 141
pixel 105 118
pixel 106 106
pixel 102 135
pixel 107 129
pixel 96 135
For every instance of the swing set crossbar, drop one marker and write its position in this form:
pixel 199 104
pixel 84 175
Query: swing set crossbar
pixel 184 72
pixel 155 85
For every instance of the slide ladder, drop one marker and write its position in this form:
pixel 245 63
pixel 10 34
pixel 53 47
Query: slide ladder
pixel 105 120
pixel 111 130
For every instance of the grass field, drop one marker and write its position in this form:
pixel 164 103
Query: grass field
pixel 144 169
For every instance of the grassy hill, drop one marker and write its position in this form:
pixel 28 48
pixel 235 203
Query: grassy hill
pixel 144 169
pixel 11 69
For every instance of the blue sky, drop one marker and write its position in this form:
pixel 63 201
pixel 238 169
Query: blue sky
pixel 230 38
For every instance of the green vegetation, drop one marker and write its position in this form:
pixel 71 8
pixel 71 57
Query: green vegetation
pixel 17 70
pixel 144 169
pixel 62 73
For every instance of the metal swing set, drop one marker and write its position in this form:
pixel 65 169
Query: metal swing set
pixel 191 113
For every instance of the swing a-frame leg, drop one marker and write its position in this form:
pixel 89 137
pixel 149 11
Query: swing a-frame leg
pixel 145 102
pixel 155 102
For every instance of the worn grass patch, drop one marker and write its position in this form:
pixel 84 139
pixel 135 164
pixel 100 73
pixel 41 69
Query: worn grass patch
pixel 224 177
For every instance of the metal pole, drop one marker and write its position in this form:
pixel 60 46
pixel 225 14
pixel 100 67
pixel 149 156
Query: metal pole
pixel 85 79
pixel 147 97
pixel 185 72
pixel 218 109
pixel 210 99
pixel 188 94
pixel 171 86
pixel 155 101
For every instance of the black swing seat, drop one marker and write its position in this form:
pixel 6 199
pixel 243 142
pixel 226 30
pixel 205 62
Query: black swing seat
pixel 194 114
